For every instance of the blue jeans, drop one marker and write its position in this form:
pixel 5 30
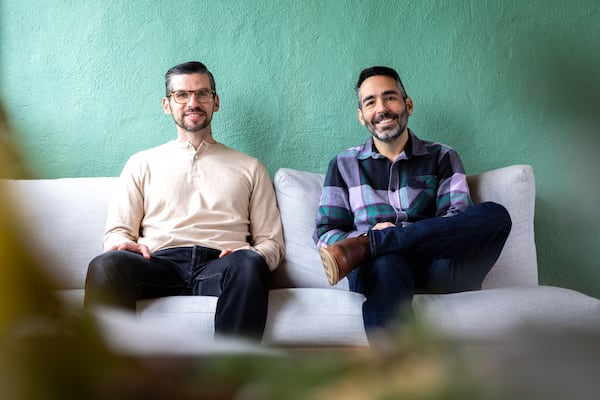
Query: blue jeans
pixel 240 280
pixel 434 255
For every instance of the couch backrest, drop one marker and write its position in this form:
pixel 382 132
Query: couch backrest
pixel 298 194
pixel 514 188
pixel 63 223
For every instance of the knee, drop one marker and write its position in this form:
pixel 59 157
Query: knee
pixel 105 266
pixel 249 267
pixel 498 216
pixel 100 266
pixel 108 280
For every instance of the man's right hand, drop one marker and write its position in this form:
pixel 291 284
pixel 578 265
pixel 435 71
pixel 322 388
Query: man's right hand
pixel 134 247
pixel 383 225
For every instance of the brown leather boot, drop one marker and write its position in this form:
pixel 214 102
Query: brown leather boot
pixel 342 257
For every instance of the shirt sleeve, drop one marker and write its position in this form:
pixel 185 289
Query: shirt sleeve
pixel 335 219
pixel 265 220
pixel 453 194
pixel 126 209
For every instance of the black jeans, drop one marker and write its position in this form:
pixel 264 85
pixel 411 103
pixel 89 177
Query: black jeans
pixel 435 255
pixel 240 280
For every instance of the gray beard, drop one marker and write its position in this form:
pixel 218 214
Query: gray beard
pixel 391 135
pixel 388 137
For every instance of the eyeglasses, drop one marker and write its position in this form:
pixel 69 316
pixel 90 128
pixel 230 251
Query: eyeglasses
pixel 183 96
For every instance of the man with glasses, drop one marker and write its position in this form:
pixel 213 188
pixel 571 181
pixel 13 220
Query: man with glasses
pixel 396 215
pixel 191 217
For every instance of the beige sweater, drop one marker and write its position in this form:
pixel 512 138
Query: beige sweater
pixel 173 196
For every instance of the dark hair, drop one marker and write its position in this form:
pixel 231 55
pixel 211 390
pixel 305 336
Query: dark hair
pixel 376 71
pixel 187 68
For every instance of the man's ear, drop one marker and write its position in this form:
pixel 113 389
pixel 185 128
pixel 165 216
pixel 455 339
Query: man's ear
pixel 409 105
pixel 216 103
pixel 166 106
pixel 359 114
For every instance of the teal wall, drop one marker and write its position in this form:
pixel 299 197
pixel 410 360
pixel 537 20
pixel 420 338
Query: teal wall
pixel 504 82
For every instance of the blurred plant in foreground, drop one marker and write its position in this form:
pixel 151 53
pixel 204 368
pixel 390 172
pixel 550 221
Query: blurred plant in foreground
pixel 44 354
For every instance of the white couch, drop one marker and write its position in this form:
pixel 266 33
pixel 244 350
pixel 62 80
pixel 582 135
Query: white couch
pixel 65 217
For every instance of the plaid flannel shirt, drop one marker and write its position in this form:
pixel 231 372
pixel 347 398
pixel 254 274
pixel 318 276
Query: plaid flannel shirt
pixel 363 188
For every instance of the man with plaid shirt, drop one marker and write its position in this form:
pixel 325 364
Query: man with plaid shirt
pixel 396 215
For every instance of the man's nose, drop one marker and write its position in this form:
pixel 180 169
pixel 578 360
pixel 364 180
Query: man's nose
pixel 381 105
pixel 193 99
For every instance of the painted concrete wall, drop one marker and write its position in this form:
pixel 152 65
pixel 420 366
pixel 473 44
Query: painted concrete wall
pixel 504 82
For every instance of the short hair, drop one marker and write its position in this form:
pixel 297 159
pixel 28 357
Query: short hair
pixel 377 71
pixel 188 68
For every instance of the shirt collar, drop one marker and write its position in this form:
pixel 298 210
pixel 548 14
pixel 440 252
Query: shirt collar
pixel 187 145
pixel 414 148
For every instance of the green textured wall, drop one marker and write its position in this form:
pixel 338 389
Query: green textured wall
pixel 504 82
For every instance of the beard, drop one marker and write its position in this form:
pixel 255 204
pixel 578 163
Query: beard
pixel 388 134
pixel 196 127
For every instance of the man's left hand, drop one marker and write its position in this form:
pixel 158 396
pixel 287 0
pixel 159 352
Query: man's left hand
pixel 228 251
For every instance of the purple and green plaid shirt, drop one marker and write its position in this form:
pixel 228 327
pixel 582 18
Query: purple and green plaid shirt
pixel 363 188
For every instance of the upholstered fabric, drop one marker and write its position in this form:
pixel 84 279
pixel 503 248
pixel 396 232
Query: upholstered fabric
pixel 298 194
pixel 130 335
pixel 316 316
pixel 192 313
pixel 296 316
pixel 65 219
pixel 514 188
pixel 496 312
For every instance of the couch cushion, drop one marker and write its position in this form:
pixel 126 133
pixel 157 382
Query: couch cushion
pixel 66 217
pixel 127 335
pixel 299 192
pixel 333 317
pixel 315 317
pixel 514 188
pixel 307 316
pixel 495 312
pixel 188 313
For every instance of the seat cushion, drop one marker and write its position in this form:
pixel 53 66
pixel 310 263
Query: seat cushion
pixel 125 334
pixel 189 313
pixel 299 316
pixel 333 317
pixel 495 312
pixel 315 317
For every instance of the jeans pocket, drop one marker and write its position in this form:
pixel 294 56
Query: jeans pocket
pixel 209 285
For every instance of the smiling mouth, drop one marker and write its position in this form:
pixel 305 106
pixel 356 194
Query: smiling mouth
pixel 193 114
pixel 386 122
pixel 385 118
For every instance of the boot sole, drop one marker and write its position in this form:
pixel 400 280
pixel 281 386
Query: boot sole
pixel 330 265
